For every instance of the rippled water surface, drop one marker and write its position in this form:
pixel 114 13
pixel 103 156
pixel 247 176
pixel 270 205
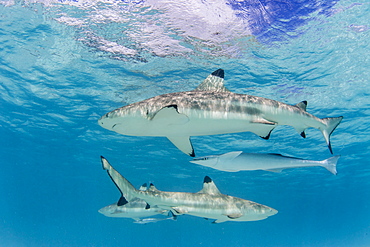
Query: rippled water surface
pixel 63 64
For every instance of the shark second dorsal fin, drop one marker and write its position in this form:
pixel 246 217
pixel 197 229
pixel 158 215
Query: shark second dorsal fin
pixel 214 82
pixel 209 187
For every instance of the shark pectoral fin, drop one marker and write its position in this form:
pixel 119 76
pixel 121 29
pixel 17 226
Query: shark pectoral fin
pixel 277 170
pixel 183 143
pixel 169 115
pixel 263 129
pixel 122 201
pixel 234 216
pixel 180 210
pixel 147 206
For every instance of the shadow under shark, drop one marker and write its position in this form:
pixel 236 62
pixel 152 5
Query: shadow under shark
pixel 207 203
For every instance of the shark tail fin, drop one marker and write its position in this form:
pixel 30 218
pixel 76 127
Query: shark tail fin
pixel 331 124
pixel 331 164
pixel 128 191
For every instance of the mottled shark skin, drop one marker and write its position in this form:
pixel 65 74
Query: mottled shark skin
pixel 208 203
pixel 211 109
pixel 239 161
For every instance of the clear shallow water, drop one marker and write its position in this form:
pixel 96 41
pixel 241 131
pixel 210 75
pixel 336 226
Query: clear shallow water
pixel 63 65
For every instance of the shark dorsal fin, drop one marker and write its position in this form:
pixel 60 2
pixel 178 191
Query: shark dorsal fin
pixel 214 82
pixel 152 188
pixel 302 105
pixel 209 187
pixel 143 187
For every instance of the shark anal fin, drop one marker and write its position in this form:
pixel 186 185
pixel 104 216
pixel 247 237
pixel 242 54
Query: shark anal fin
pixel 183 143
pixel 122 201
pixel 169 115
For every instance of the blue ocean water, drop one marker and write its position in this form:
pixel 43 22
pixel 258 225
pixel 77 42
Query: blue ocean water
pixel 63 64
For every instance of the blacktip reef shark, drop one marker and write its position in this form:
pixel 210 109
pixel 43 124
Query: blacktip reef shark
pixel 135 209
pixel 239 161
pixel 208 203
pixel 211 109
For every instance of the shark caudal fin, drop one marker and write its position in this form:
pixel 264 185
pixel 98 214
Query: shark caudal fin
pixel 128 191
pixel 331 124
pixel 331 164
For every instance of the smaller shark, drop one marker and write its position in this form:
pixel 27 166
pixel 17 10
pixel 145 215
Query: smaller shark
pixel 207 203
pixel 239 161
pixel 135 209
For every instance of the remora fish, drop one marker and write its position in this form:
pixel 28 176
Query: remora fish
pixel 239 161
pixel 211 109
pixel 207 203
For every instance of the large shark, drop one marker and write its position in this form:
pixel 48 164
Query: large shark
pixel 207 203
pixel 211 109
pixel 239 161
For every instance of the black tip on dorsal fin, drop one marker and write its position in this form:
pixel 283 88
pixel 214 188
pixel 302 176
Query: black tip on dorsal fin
pixel 219 73
pixel 207 179
pixel 122 201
